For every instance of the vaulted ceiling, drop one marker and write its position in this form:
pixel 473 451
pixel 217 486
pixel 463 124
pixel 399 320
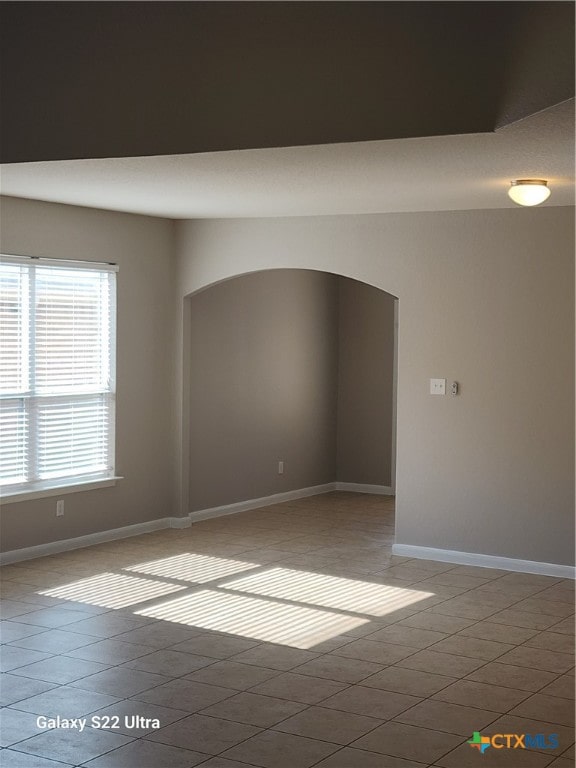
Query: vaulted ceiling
pixel 128 79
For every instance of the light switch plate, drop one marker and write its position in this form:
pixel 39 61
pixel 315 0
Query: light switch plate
pixel 437 386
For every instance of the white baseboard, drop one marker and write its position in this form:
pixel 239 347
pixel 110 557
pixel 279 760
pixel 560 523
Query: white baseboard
pixel 179 522
pixel 64 545
pixel 263 501
pixel 382 490
pixel 485 561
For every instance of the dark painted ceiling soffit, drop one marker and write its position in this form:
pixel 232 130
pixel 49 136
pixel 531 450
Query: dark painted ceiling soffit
pixel 113 79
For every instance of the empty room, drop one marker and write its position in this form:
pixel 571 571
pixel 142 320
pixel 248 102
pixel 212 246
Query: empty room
pixel 287 360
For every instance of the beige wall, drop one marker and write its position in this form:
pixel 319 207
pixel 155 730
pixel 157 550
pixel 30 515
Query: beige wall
pixel 365 384
pixel 486 298
pixel 146 293
pixel 263 372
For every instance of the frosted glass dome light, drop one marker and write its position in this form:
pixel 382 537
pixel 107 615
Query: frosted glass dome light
pixel 529 191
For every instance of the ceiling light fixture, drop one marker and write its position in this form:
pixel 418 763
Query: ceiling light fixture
pixel 529 191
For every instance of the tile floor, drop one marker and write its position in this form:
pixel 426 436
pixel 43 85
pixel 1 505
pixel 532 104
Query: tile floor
pixel 284 637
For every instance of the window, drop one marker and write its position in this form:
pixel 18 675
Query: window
pixel 57 373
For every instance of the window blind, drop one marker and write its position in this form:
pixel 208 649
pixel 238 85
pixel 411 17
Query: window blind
pixel 57 372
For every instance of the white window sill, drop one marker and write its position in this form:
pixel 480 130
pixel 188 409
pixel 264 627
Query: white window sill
pixel 11 497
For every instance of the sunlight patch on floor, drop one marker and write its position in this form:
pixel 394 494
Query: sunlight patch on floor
pixel 291 625
pixel 112 590
pixel 192 567
pixel 328 591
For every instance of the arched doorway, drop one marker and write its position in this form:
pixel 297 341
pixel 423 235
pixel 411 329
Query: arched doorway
pixel 290 386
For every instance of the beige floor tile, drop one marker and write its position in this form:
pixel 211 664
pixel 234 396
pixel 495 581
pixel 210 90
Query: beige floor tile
pixel 253 709
pixel 449 718
pixel 184 694
pixel 441 663
pixel 169 662
pixel 563 686
pixel 61 669
pixel 307 690
pixel 51 618
pixel 520 678
pixel 434 594
pixel 531 578
pixel 561 762
pixel 490 697
pixel 520 591
pixel 500 633
pixel 566 626
pixel 552 641
pixel 558 592
pixel 546 607
pixel 359 758
pixel 517 618
pixel 203 734
pixel 408 573
pixel 465 609
pixel 473 647
pixel 159 635
pixel 14 689
pixel 110 651
pixel 66 702
pixel 12 658
pixel 275 657
pixel 66 746
pixel 437 622
pixel 374 651
pixel 371 702
pixel 413 743
pixel 147 753
pixel 11 631
pixel 411 637
pixel 11 590
pixel 222 762
pixel 328 725
pixel 216 646
pixel 450 579
pixel 343 670
pixel 230 674
pixel 272 749
pixel 54 641
pixel 120 681
pixel 550 709
pixel 12 609
pixel 105 625
pixel 476 570
pixel 409 681
pixel 21 760
pixel 17 726
pixel 537 658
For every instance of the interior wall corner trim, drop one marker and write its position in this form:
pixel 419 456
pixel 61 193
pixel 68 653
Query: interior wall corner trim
pixel 485 561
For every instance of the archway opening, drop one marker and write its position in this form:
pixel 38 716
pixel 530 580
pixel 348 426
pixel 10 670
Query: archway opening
pixel 290 385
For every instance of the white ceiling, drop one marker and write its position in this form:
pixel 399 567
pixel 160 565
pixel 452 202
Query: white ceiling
pixel 426 174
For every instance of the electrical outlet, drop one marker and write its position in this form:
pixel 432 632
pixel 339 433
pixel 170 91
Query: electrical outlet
pixel 437 386
pixel 60 508
pixel 280 467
